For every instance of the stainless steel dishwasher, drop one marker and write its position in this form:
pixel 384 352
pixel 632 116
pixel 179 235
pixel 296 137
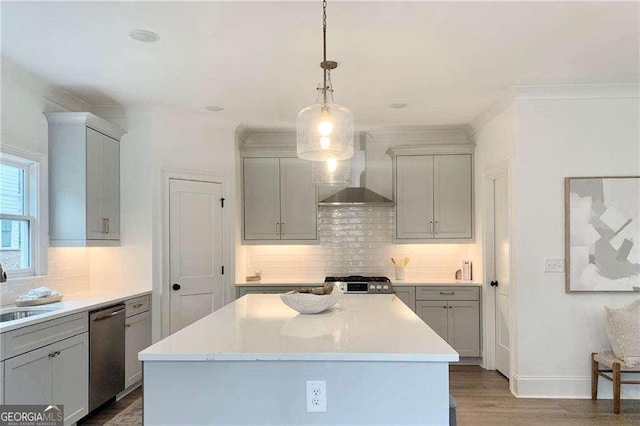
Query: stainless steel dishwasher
pixel 106 354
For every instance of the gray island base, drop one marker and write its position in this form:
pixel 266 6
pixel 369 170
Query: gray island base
pixel 249 362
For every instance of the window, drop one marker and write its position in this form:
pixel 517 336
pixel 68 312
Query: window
pixel 18 214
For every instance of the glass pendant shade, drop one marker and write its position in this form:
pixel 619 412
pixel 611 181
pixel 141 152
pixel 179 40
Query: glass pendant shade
pixel 324 131
pixel 332 172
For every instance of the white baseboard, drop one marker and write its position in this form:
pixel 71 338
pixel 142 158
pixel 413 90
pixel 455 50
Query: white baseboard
pixel 578 387
pixel 128 390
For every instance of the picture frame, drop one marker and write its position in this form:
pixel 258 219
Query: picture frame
pixel 602 234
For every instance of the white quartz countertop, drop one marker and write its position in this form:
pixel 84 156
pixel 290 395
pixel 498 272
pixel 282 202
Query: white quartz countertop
pixel 70 304
pixel 259 327
pixel 418 282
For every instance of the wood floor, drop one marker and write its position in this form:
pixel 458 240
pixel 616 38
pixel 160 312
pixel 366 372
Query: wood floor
pixel 484 399
pixel 108 412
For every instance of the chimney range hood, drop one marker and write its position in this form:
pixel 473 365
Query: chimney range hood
pixel 357 194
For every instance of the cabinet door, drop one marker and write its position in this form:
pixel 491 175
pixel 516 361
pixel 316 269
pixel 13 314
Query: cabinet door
pixel 298 200
pixel 464 327
pixel 28 378
pixel 137 338
pixel 110 206
pixel 1 382
pixel 95 154
pixel 70 376
pixel 414 196
pixel 435 315
pixel 452 196
pixel 261 193
pixel 407 295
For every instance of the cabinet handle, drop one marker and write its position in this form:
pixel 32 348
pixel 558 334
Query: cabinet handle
pixel 278 228
pixel 447 293
pixel 128 325
pixel 54 354
pixel 437 227
pixel 444 307
pixel 137 305
pixel 104 225
pixel 450 307
pixel 431 227
pixel 110 231
pixel 282 228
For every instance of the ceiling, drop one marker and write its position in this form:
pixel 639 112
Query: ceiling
pixel 448 60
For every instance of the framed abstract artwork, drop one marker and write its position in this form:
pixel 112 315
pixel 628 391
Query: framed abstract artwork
pixel 602 234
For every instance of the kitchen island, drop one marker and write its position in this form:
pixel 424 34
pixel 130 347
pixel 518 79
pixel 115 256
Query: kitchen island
pixel 248 363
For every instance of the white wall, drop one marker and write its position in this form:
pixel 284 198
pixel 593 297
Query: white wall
pixel 25 98
pixel 558 138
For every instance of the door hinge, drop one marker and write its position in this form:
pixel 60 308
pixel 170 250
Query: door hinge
pixel 222 270
pixel 222 202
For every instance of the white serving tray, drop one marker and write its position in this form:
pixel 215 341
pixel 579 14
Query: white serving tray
pixel 41 301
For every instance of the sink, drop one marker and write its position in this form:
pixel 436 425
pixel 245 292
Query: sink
pixel 15 315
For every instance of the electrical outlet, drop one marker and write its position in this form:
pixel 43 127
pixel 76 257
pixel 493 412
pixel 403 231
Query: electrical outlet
pixel 553 264
pixel 316 396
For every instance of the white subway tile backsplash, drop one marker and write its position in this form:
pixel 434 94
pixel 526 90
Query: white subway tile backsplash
pixel 355 240
pixel 68 273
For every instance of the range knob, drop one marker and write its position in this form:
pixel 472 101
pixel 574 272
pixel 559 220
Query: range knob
pixel 385 287
pixel 378 287
pixel 372 287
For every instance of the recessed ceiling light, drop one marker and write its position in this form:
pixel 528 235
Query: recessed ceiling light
pixel 144 36
pixel 398 105
pixel 214 108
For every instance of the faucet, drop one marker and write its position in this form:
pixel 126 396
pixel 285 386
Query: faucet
pixel 3 275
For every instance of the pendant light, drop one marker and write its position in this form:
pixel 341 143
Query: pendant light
pixel 324 130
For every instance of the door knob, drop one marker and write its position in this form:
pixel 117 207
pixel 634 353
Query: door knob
pixel 176 286
pixel 494 283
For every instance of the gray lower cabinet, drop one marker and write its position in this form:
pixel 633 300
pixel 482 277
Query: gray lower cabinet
pixel 452 312
pixel 1 382
pixel 54 374
pixel 407 294
pixel 137 338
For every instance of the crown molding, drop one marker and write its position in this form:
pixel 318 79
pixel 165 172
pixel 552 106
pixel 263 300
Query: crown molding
pixel 85 119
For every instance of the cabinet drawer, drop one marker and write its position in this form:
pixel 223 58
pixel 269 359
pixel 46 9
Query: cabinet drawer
pixel 136 306
pixel 447 293
pixel 36 336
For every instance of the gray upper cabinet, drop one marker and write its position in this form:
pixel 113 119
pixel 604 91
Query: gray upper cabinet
pixel 434 197
pixel 279 200
pixel 84 180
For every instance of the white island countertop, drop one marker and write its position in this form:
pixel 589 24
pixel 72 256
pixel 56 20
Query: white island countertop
pixel 259 327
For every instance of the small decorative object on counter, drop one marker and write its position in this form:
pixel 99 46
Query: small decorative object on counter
pixel 39 296
pixel 459 274
pixel 467 273
pixel 256 277
pixel 3 275
pixel 400 264
pixel 312 300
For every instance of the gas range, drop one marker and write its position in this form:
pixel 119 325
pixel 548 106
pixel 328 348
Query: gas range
pixel 362 285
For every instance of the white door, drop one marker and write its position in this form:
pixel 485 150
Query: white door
pixel 261 190
pixel 414 196
pixel 298 200
pixel 501 258
pixel 195 251
pixel 452 196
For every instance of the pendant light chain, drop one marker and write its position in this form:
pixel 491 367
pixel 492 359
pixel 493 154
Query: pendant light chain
pixel 324 47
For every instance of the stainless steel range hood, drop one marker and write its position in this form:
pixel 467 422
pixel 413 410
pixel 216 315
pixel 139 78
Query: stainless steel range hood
pixel 357 194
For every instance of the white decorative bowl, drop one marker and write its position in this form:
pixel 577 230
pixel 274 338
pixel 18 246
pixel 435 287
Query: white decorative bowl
pixel 307 303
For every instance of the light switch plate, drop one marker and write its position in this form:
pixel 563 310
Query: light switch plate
pixel 553 264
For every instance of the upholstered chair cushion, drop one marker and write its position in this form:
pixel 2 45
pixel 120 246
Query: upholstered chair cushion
pixel 623 329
